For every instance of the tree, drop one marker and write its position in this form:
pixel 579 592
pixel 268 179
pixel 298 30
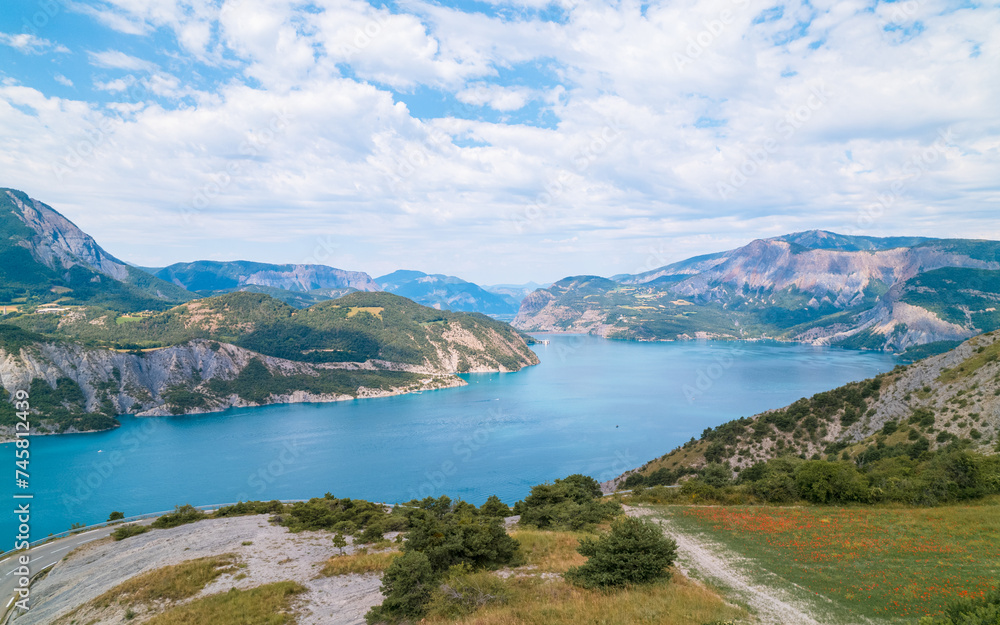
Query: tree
pixel 634 552
pixel 339 542
pixel 407 586
pixel 820 481
pixel 494 507
pixel 571 503
pixel 116 516
pixel 480 541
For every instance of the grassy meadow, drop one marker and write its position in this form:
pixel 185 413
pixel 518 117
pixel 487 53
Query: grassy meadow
pixel 890 564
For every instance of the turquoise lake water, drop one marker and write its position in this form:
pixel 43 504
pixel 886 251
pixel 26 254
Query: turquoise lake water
pixel 592 406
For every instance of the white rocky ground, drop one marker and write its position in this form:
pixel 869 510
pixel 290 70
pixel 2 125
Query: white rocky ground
pixel 274 555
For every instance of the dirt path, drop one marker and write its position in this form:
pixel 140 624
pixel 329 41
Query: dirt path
pixel 773 606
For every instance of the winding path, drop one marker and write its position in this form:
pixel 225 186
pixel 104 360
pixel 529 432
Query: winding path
pixel 773 606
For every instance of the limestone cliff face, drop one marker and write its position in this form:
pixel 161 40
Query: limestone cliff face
pixel 58 244
pixel 205 275
pixel 141 384
pixel 840 276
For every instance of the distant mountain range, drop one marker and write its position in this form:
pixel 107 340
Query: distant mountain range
pixel 447 292
pixel 912 294
pixel 45 258
pixel 861 292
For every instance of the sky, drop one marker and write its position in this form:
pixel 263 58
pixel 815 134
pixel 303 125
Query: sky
pixel 501 141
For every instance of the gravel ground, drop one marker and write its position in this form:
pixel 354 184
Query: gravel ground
pixel 274 555
pixel 772 605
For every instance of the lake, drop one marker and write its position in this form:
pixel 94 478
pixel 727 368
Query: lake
pixel 592 406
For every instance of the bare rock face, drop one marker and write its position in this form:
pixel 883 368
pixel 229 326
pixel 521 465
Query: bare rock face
pixel 310 277
pixel 141 384
pixel 58 244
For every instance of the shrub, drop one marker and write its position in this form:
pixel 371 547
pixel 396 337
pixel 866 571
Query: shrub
pixel 407 586
pixel 116 516
pixel 494 507
pixel 635 551
pixel 828 482
pixel 463 592
pixel 717 475
pixel 570 503
pixel 479 542
pixel 181 515
pixel 126 531
pixel 244 508
pixel 984 610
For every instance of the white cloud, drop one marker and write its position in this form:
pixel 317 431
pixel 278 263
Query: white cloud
pixel 672 123
pixel 62 80
pixel 497 97
pixel 116 59
pixel 26 43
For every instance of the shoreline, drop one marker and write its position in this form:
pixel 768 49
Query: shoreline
pixel 456 382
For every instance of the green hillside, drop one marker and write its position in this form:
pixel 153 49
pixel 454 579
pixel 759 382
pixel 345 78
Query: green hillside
pixel 944 404
pixel 357 327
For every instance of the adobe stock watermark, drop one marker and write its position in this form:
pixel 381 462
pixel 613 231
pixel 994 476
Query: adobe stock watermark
pixel 700 43
pixel 98 136
pixel 903 12
pixel 268 472
pixel 463 451
pixel 416 157
pixel 914 168
pixel 101 470
pixel 785 128
pixel 598 144
pixel 364 36
pixel 707 376
pixel 47 9
pixel 623 461
pixel 254 145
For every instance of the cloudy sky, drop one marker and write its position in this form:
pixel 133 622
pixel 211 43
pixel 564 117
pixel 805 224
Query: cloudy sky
pixel 501 141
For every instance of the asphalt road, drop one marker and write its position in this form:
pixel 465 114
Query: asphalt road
pixel 42 558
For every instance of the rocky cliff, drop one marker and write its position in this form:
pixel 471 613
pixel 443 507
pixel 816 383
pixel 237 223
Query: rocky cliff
pixel 206 376
pixel 45 256
pixel 204 275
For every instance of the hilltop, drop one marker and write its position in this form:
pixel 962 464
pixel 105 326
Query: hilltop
pixel 892 294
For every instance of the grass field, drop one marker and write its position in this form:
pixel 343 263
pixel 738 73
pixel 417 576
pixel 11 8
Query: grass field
pixel 891 564
pixel 536 594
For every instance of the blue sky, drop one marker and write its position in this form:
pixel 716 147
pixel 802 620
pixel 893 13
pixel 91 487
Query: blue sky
pixel 501 141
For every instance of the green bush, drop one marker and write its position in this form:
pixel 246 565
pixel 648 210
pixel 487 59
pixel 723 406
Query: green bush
pixel 476 541
pixel 463 592
pixel 245 508
pixel 340 515
pixel 820 481
pixel 407 586
pixel 125 531
pixel 494 507
pixel 181 515
pixel 983 610
pixel 635 551
pixel 570 503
